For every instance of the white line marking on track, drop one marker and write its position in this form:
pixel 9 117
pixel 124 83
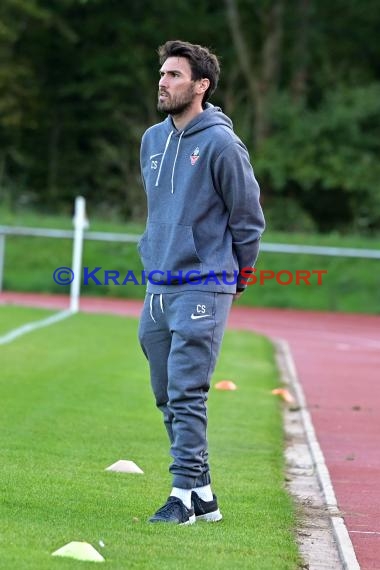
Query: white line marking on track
pixel 346 549
pixel 364 532
pixel 24 329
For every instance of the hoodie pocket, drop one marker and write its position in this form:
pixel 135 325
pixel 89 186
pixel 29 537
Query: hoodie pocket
pixel 143 248
pixel 169 247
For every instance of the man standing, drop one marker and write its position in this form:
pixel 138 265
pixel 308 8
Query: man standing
pixel 204 226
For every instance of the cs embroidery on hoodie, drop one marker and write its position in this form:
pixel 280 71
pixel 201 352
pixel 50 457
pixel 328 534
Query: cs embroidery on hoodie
pixel 194 156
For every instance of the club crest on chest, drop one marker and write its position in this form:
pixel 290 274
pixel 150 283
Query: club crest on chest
pixel 194 156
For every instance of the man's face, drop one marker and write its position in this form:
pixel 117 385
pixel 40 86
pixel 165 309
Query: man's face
pixel 176 88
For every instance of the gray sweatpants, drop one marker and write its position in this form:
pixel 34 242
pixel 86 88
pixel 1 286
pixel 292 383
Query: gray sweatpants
pixel 181 334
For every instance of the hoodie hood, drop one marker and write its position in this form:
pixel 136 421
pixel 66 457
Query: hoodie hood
pixel 211 116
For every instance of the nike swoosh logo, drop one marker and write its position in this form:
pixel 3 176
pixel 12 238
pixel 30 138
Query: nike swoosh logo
pixel 199 316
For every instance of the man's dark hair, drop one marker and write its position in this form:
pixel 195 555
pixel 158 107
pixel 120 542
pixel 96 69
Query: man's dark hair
pixel 203 63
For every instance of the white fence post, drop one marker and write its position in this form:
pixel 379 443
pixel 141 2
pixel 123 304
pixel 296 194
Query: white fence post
pixel 80 223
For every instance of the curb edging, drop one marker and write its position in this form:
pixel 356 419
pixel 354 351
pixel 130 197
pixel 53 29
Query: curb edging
pixel 289 376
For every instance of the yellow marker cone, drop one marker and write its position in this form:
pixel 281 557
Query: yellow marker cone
pixel 79 551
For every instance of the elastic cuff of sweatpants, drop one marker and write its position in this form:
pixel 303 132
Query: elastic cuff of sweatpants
pixel 183 482
pixel 203 480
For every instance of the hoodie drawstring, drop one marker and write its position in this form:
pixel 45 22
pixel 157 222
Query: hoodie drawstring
pixel 151 306
pixel 163 157
pixel 175 160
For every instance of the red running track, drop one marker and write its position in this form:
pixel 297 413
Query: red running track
pixel 337 357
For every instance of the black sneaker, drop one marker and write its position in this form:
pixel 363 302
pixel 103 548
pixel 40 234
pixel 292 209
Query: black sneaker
pixel 175 512
pixel 206 510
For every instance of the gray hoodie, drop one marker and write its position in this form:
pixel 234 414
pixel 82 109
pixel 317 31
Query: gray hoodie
pixel 204 216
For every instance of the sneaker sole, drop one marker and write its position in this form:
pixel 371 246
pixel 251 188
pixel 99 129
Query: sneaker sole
pixel 215 516
pixel 191 520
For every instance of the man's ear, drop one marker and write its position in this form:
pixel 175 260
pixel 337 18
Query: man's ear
pixel 203 85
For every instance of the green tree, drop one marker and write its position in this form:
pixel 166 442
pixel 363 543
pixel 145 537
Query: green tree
pixel 300 79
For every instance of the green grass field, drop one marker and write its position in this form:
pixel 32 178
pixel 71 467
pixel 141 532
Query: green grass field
pixel 76 398
pixel 12 317
pixel 350 285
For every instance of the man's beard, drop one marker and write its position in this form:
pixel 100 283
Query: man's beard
pixel 176 105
